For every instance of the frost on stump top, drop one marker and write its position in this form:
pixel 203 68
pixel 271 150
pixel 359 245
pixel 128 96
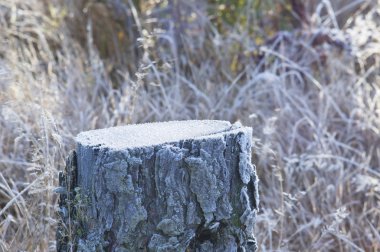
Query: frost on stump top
pixel 170 186
pixel 151 134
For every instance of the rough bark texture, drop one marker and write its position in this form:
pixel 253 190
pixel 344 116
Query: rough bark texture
pixel 196 194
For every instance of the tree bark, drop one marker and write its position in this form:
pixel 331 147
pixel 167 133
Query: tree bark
pixel 173 190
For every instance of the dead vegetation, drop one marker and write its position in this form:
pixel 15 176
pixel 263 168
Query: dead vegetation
pixel 307 81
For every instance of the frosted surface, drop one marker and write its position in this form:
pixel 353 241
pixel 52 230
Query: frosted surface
pixel 150 134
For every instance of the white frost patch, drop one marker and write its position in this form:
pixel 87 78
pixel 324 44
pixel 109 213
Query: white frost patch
pixel 151 134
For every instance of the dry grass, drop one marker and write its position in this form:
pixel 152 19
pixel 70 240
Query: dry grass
pixel 311 94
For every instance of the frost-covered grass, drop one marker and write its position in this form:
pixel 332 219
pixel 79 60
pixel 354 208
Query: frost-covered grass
pixel 311 94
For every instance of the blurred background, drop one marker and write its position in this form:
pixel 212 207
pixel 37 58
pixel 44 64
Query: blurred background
pixel 304 74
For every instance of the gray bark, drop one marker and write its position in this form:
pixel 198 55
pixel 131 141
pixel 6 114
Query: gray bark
pixel 196 193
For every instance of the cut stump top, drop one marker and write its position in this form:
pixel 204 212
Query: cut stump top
pixel 152 134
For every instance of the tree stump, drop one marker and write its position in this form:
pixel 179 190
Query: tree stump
pixel 170 186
